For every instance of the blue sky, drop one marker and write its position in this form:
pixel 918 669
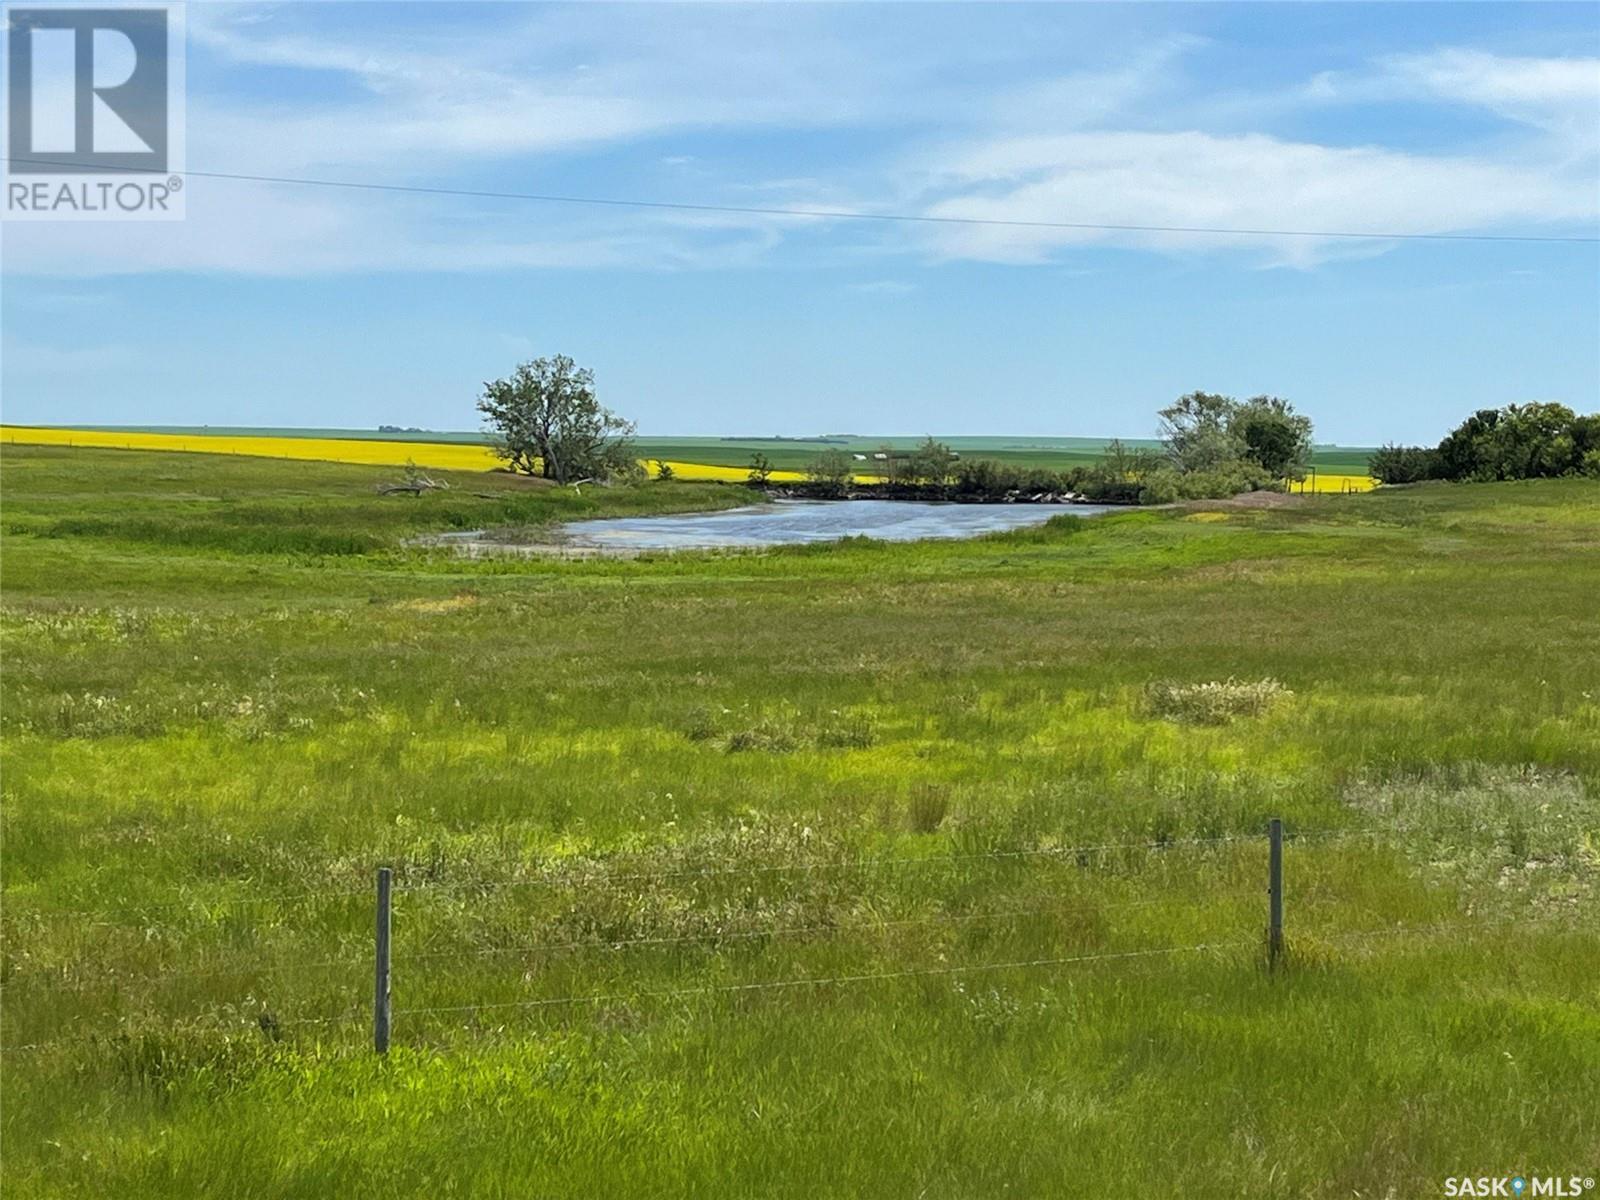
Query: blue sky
pixel 279 305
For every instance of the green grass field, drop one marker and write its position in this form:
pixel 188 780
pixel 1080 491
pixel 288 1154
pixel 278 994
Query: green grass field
pixel 622 797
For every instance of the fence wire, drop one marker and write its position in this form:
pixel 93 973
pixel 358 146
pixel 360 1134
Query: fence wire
pixel 1309 938
pixel 588 871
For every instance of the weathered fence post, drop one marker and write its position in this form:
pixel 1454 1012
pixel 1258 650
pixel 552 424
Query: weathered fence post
pixel 1274 892
pixel 380 991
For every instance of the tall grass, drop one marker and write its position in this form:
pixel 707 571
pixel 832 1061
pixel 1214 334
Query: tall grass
pixel 654 780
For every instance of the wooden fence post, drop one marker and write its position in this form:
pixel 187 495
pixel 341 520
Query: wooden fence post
pixel 1275 892
pixel 380 992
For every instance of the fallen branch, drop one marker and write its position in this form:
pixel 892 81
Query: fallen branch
pixel 416 485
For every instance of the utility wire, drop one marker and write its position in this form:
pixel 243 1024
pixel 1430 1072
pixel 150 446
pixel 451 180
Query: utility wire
pixel 832 214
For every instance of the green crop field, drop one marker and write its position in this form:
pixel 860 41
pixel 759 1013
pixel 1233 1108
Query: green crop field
pixel 851 870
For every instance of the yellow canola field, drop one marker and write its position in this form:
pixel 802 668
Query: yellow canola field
pixel 705 471
pixel 440 455
pixel 1333 483
pixel 443 456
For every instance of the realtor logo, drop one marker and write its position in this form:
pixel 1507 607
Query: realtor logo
pixel 93 91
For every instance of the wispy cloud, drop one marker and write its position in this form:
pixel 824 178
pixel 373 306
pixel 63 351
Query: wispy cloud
pixel 1258 181
pixel 1251 182
pixel 516 100
pixel 1535 90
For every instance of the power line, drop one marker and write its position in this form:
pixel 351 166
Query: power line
pixel 839 214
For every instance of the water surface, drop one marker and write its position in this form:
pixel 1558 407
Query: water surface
pixel 792 522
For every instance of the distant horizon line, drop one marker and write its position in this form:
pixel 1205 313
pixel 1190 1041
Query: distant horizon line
pixel 369 430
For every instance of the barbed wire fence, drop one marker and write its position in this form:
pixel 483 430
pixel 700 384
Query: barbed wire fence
pixel 1269 936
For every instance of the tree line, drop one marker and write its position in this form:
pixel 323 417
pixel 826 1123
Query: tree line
pixel 545 419
pixel 1519 441
pixel 1213 445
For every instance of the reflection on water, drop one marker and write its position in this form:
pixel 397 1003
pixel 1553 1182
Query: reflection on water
pixel 788 522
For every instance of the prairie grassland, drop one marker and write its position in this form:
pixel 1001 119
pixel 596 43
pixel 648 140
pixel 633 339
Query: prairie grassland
pixel 230 690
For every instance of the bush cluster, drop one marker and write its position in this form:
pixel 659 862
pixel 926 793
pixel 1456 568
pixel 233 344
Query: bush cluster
pixel 986 477
pixel 1215 446
pixel 1519 441
pixel 1166 485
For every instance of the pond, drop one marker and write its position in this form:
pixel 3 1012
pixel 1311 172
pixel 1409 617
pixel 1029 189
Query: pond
pixel 792 522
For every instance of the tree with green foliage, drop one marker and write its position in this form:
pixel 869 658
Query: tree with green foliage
pixel 1197 430
pixel 664 471
pixel 545 420
pixel 1519 441
pixel 932 463
pixel 1404 464
pixel 831 470
pixel 1273 435
pixel 760 469
pixel 1123 473
pixel 1219 446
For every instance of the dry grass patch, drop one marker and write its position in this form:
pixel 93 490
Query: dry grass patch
pixel 1215 702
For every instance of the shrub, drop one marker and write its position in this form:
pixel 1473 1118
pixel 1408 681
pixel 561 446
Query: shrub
pixel 986 477
pixel 1404 464
pixel 1214 703
pixel 831 470
pixel 1166 485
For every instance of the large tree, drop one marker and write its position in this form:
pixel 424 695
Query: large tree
pixel 1205 431
pixel 1275 437
pixel 1197 431
pixel 546 421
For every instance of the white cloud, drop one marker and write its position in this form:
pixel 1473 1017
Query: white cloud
pixel 518 88
pixel 1115 142
pixel 282 230
pixel 1249 182
pixel 1525 88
